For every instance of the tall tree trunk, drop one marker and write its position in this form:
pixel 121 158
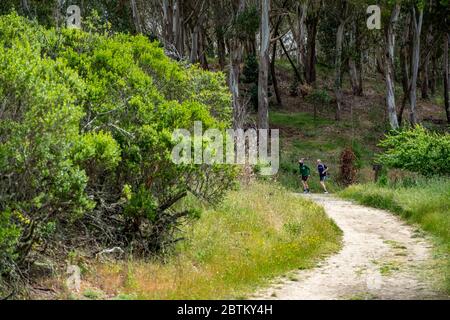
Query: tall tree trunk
pixel 220 48
pixel 202 50
pixel 426 66
pixel 177 27
pixel 353 72
pixel 219 31
pixel 263 97
pixel 434 72
pixel 404 63
pixel 168 21
pixel 273 60
pixel 310 65
pixel 286 53
pixel 136 17
pixel 446 77
pixel 302 11
pixel 354 62
pixel 235 47
pixel 338 69
pixel 25 7
pixel 274 75
pixel 417 29
pixel 389 67
pixel 359 62
pixel 379 58
pixel 194 45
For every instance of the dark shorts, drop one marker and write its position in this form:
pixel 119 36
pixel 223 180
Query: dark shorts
pixel 305 178
pixel 323 178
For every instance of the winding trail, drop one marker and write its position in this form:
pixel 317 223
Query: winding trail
pixel 382 258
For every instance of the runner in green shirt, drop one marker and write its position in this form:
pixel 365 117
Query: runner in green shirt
pixel 305 172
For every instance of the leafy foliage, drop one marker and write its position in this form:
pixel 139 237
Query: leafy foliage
pixel 245 24
pixel 417 150
pixel 86 126
pixel 319 97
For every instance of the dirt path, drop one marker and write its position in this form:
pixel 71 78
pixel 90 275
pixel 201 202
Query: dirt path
pixel 381 258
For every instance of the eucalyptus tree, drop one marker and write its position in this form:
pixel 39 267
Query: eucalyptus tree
pixel 263 96
pixel 446 77
pixel 236 51
pixel 389 54
pixel 417 9
pixel 312 22
pixel 297 23
pixel 343 13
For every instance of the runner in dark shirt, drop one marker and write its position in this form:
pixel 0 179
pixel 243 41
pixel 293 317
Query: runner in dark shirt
pixel 323 172
pixel 305 172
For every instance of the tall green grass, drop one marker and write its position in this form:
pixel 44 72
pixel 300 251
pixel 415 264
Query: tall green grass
pixel 425 202
pixel 259 232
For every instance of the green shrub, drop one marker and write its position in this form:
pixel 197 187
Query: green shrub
pixel 85 116
pixel 40 120
pixel 9 234
pixel 319 97
pixel 417 150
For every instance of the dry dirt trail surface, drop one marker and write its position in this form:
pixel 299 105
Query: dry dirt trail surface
pixel 382 258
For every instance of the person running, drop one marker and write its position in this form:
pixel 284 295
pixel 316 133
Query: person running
pixel 305 172
pixel 323 172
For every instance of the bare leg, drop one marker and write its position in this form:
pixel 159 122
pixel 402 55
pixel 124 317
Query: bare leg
pixel 304 185
pixel 322 183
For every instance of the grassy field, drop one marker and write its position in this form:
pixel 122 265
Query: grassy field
pixel 259 232
pixel 424 202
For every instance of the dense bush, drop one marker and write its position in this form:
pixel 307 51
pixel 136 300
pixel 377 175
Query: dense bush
pixel 417 150
pixel 86 124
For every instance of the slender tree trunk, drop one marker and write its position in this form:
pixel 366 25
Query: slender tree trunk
pixel 274 75
pixel 426 66
pixel 25 7
pixel 136 17
pixel 177 27
pixel 168 21
pixel 219 31
pixel 202 50
pixel 263 97
pixel 353 72
pixel 235 48
pixel 446 77
pixel 286 53
pixel 434 72
pixel 302 11
pixel 379 60
pixel 425 85
pixel 389 67
pixel 194 45
pixel 359 62
pixel 272 63
pixel 415 59
pixel 310 65
pixel 338 69
pixel 404 63
pixel 221 48
pixel 354 65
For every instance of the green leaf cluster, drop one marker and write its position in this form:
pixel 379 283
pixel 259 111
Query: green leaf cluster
pixel 85 117
pixel 417 150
